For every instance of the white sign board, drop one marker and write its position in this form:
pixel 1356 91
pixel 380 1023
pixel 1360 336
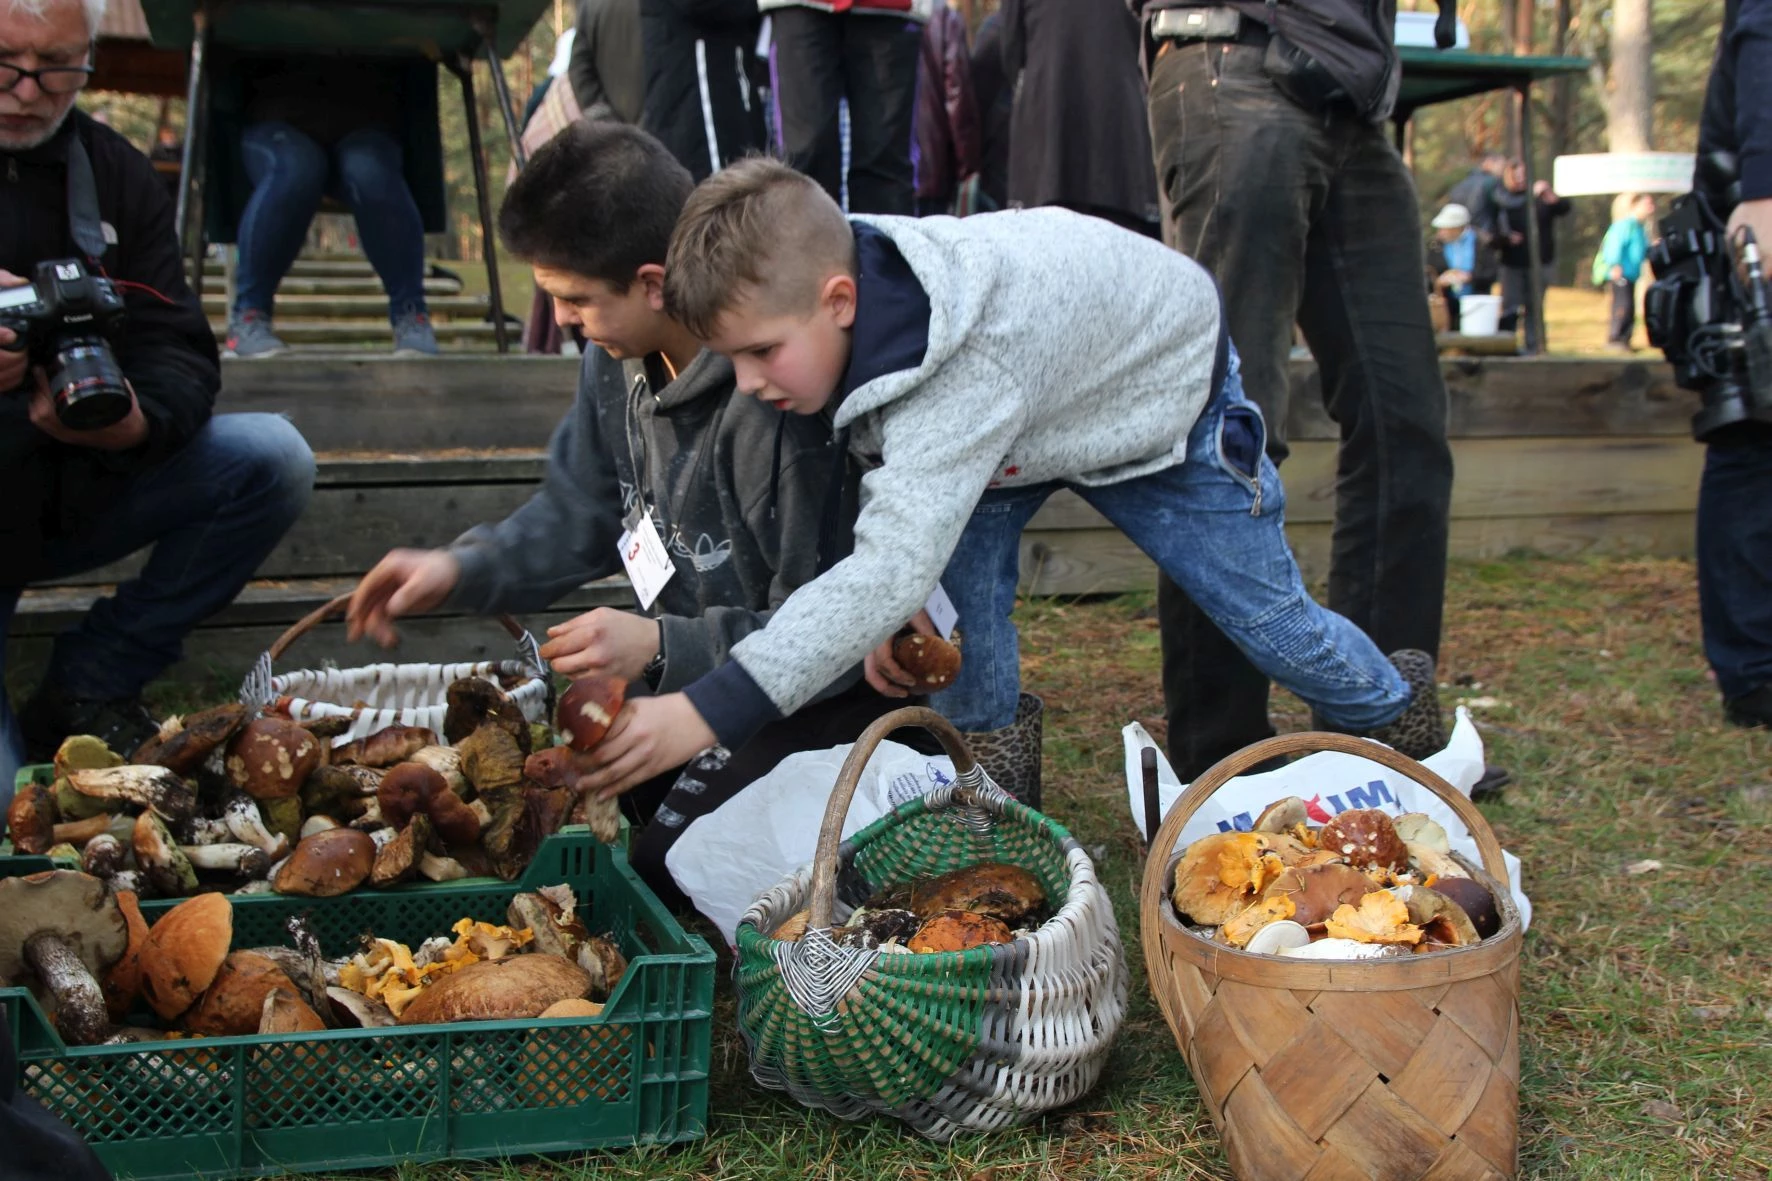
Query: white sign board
pixel 1604 173
pixel 1417 29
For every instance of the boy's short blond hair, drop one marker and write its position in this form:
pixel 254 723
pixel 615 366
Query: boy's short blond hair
pixel 756 230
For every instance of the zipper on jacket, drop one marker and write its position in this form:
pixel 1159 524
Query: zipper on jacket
pixel 12 169
pixel 1256 511
pixel 744 79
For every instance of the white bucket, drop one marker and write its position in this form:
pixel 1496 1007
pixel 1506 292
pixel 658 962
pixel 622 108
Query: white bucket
pixel 1479 315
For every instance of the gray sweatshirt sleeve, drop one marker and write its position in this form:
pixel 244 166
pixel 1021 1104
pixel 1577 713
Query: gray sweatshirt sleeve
pixel 564 536
pixel 914 507
pixel 785 524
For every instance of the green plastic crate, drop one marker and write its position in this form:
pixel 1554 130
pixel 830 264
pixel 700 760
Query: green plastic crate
pixel 349 1099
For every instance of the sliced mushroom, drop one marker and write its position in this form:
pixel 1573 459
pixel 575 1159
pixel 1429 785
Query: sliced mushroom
pixel 161 860
pixel 354 1009
pixel 397 860
pixel 557 930
pixel 141 787
pixel 80 752
pixel 1418 828
pixel 441 869
pixel 1282 815
pixel 284 1012
pixel 64 928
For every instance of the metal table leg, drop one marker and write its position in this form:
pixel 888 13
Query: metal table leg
pixel 463 68
pixel 188 215
pixel 501 91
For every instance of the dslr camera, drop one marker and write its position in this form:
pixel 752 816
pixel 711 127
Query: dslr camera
pixel 1710 311
pixel 65 318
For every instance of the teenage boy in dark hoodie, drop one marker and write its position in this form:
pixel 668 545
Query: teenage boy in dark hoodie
pixel 734 488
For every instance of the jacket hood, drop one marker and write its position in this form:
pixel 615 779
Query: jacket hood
pixel 707 377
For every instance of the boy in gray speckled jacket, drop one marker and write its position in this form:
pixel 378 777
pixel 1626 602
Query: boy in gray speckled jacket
pixel 974 366
pixel 735 489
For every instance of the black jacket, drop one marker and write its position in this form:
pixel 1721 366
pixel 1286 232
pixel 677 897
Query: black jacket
pixel 166 349
pixel 1511 219
pixel 704 81
pixel 1738 104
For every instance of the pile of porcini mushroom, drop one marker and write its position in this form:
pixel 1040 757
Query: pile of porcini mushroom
pixel 222 800
pixel 1361 886
pixel 986 903
pixel 100 970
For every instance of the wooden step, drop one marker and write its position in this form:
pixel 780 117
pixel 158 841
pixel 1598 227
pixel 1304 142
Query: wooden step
pixel 302 285
pixel 375 333
pixel 297 307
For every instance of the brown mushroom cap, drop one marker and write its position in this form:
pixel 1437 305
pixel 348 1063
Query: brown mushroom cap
pixel 234 1001
pixel 184 951
pixel 30 819
pixel 573 1007
pixel 1366 837
pixel 1006 892
pixel 588 708
pixel 326 864
pixel 183 744
pixel 959 930
pixel 932 661
pixel 1442 921
pixel 271 758
pixel 283 1011
pixel 1317 890
pixel 412 789
pixel 1474 898
pixel 505 989
pixel 123 982
pixel 395 744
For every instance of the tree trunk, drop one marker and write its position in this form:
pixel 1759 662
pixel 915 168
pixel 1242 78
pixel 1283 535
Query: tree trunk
pixel 1510 125
pixel 1630 99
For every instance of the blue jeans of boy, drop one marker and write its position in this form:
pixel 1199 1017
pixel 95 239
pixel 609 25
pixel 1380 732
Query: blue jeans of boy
pixel 290 172
pixel 1735 558
pixel 1216 526
pixel 212 512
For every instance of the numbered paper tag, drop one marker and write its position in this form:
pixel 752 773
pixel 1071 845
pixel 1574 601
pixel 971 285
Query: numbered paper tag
pixel 643 555
pixel 942 613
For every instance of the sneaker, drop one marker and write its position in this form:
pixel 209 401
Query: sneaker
pixel 413 336
pixel 250 336
pixel 1750 710
pixel 1421 730
pixel 52 715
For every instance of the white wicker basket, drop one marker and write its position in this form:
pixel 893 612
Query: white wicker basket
pixel 376 696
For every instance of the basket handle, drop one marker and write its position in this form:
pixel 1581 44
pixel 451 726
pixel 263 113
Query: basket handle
pixel 318 615
pixel 830 836
pixel 1221 772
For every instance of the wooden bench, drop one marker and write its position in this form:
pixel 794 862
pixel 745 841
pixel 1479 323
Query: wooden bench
pixel 1559 457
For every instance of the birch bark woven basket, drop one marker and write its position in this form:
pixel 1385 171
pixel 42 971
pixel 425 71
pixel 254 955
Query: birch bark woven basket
pixel 376 696
pixel 947 1041
pixel 1387 1069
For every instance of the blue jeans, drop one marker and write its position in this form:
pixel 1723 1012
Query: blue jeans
pixel 212 512
pixel 290 173
pixel 1216 526
pixel 1735 559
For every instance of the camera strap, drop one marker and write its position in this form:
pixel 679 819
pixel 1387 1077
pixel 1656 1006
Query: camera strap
pixel 84 223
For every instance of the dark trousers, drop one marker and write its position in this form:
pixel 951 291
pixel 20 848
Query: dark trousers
pixel 822 58
pixel 1735 558
pixel 666 804
pixel 1308 219
pixel 1515 301
pixel 1624 311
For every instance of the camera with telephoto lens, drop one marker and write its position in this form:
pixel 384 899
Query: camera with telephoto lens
pixel 1710 311
pixel 64 319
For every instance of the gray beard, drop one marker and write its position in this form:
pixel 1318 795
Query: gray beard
pixel 38 141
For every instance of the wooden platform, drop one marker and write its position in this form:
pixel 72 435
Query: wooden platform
pixel 1558 457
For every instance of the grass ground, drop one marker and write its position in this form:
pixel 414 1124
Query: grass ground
pixel 1647 1028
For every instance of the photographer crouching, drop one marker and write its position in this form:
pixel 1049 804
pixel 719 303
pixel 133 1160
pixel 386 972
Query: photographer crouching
pixel 1710 310
pixel 108 372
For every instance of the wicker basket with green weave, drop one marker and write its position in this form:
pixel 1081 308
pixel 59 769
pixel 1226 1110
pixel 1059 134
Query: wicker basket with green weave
pixel 946 1041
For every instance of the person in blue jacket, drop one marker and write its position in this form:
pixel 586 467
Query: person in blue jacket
pixel 1622 254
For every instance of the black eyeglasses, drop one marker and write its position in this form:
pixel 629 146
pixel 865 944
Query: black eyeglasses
pixel 51 79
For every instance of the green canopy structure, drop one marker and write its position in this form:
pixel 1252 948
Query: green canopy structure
pixel 452 33
pixel 1441 75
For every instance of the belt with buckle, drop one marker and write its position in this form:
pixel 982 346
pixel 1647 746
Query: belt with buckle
pixel 1171 25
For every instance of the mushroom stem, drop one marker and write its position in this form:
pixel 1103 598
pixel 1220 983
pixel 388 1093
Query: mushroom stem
pixel 78 832
pixel 79 1002
pixel 245 860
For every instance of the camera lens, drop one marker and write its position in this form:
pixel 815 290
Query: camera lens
pixel 87 385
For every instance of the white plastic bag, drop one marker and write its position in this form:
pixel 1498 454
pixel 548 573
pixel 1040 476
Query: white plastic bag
pixel 726 860
pixel 1329 782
